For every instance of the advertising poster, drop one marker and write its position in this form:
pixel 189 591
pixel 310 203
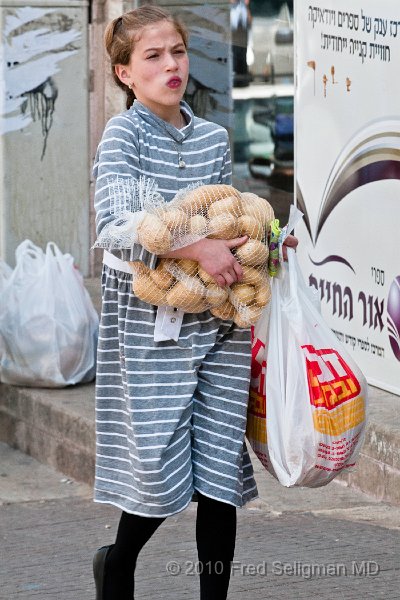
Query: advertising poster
pixel 348 174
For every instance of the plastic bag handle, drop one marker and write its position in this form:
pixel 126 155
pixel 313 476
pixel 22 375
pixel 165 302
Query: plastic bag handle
pixel 52 248
pixel 293 268
pixel 53 251
pixel 29 260
pixel 28 248
pixel 295 215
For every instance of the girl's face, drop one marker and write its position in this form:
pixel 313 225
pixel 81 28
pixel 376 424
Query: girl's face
pixel 158 69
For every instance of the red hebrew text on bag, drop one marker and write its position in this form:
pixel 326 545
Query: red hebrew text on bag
pixel 256 410
pixel 257 384
pixel 330 380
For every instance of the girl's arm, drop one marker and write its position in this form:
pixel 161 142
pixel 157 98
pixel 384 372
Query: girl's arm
pixel 215 257
pixel 117 157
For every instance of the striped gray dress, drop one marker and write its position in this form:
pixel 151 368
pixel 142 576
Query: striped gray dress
pixel 170 416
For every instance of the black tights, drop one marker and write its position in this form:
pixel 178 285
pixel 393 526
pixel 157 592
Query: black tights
pixel 215 536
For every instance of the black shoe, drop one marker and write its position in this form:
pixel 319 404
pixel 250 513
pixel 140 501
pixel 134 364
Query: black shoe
pixel 99 561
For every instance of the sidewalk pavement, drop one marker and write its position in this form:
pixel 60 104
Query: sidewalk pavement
pixel 328 543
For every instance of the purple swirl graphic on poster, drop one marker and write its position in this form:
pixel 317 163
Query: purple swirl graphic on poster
pixel 393 310
pixel 371 155
pixel 332 258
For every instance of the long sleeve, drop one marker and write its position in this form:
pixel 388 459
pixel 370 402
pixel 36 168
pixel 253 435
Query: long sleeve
pixel 117 156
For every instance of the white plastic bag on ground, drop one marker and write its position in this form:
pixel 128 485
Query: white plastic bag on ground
pixel 49 327
pixel 312 400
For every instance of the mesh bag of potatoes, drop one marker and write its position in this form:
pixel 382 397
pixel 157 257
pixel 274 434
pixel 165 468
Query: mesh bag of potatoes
pixel 213 211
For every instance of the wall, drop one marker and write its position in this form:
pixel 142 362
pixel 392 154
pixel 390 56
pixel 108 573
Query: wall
pixel 44 127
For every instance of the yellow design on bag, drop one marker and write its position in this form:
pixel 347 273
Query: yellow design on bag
pixel 345 417
pixel 256 422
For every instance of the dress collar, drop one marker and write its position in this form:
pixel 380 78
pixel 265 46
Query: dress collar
pixel 177 134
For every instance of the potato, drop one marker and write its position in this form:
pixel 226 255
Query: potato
pixel 240 321
pixel 182 296
pixel 139 268
pixel 144 288
pixel 154 235
pixel 243 293
pixel 263 294
pixel 252 227
pixel 174 218
pixel 254 206
pixel 216 295
pixel 223 227
pixel 205 276
pixel 253 313
pixel 198 308
pixel 188 266
pixel 200 198
pixel 226 311
pixel 197 225
pixel 253 253
pixel 231 205
pixel 252 276
pixel 161 277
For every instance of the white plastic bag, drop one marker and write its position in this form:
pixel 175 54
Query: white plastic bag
pixel 256 429
pixel 49 327
pixel 312 399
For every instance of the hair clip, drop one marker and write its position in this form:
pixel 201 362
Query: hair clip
pixel 117 23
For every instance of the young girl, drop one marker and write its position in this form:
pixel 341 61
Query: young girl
pixel 171 416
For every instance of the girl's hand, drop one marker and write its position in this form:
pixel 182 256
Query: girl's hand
pixel 215 257
pixel 291 241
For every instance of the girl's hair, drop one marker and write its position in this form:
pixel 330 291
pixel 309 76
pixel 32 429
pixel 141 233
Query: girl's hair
pixel 120 35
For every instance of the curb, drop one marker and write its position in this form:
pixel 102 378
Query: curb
pixel 57 427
